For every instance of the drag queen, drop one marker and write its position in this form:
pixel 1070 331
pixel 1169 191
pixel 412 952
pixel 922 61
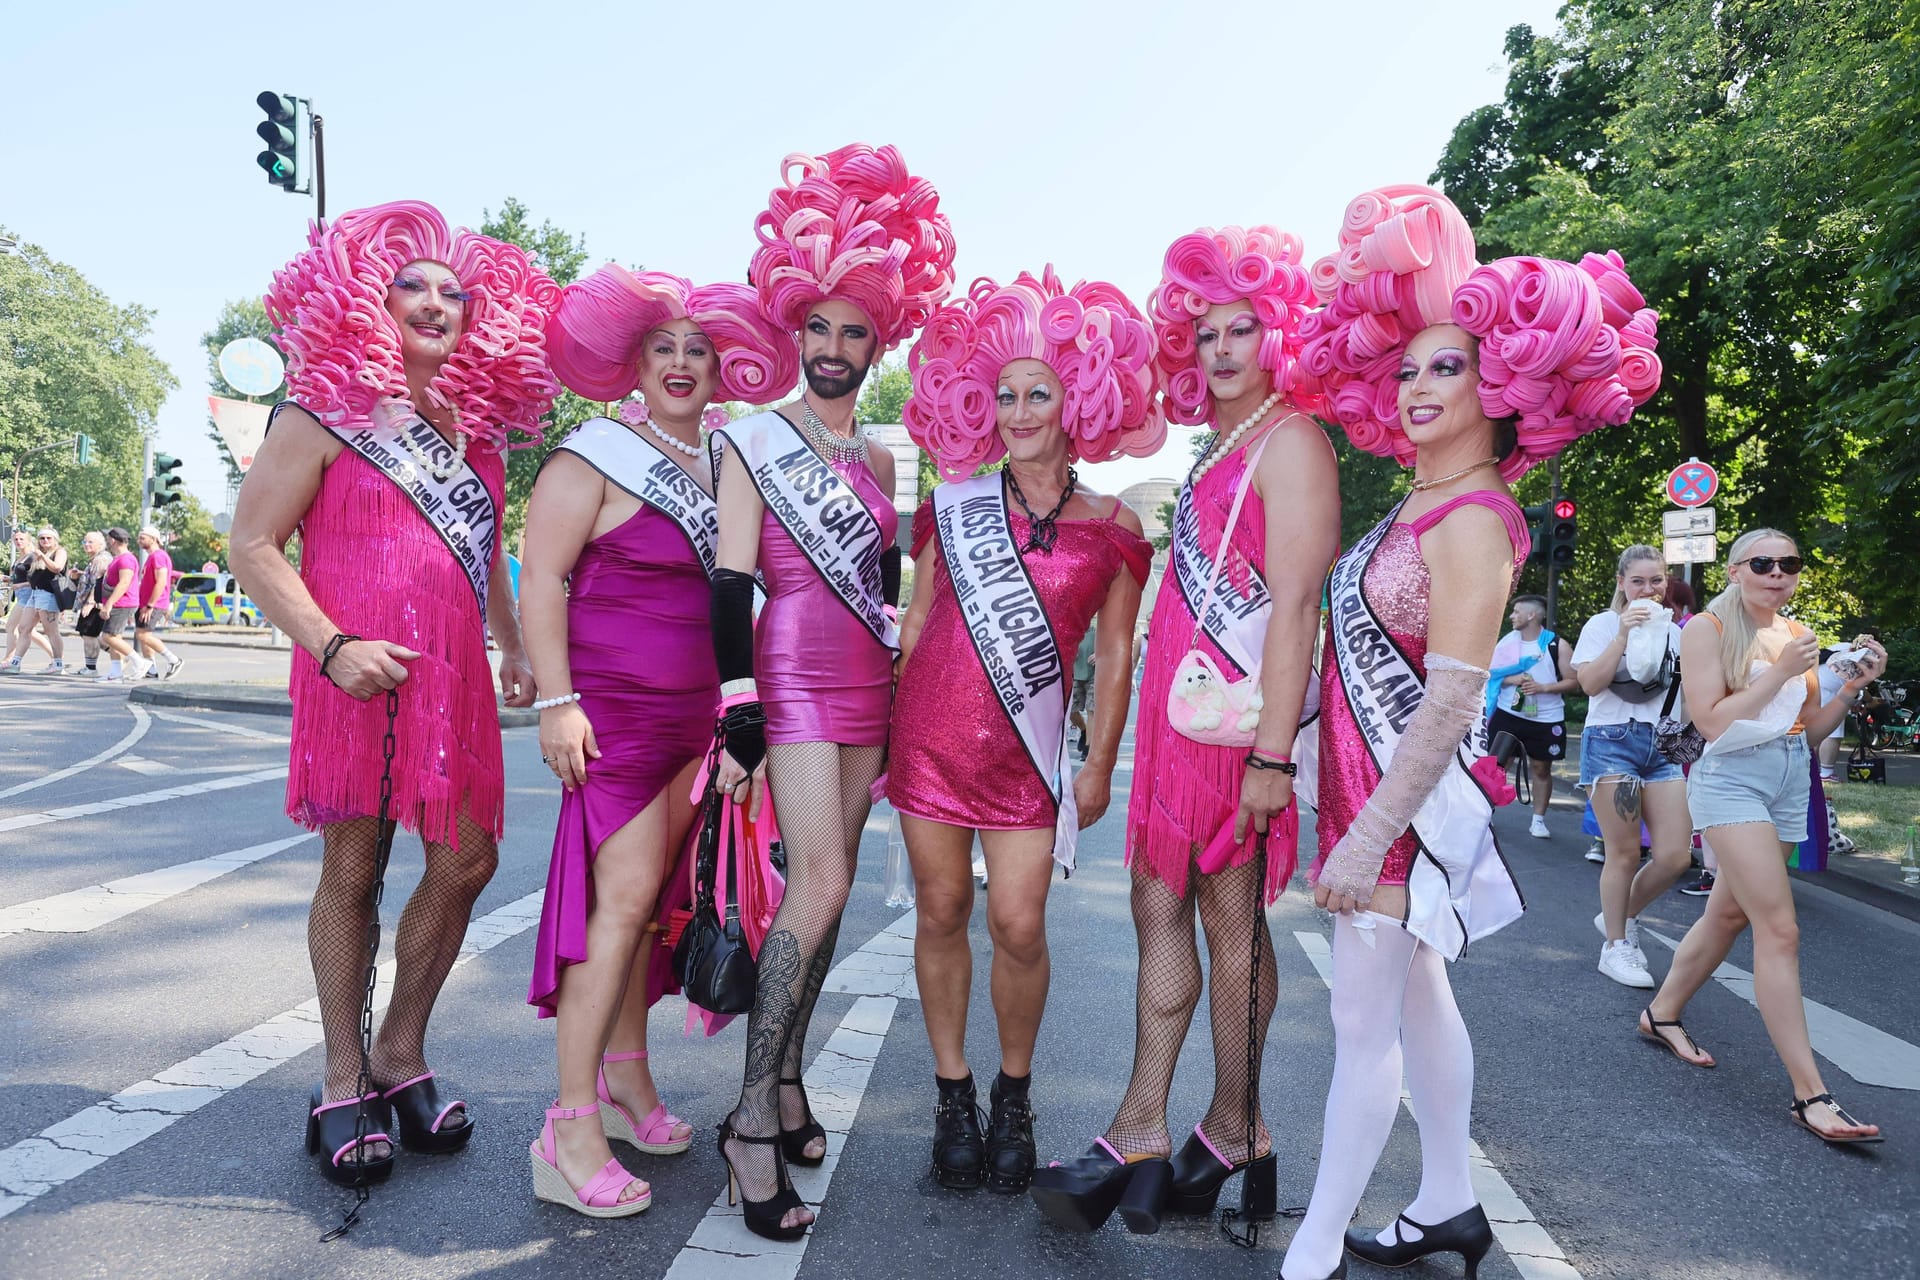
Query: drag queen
pixel 854 255
pixel 620 543
pixel 1262 503
pixel 412 352
pixel 1044 377
pixel 1434 361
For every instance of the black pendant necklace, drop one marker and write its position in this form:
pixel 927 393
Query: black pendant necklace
pixel 1044 530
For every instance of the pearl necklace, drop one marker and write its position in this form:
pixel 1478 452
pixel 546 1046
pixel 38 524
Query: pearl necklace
pixel 837 447
pixel 674 442
pixel 419 455
pixel 1421 486
pixel 1224 446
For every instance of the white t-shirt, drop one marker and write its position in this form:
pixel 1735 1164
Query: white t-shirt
pixel 1606 706
pixel 1547 708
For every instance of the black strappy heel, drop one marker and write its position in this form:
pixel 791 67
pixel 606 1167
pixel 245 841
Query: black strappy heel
pixel 1655 1037
pixel 1468 1234
pixel 762 1216
pixel 793 1142
pixel 1799 1109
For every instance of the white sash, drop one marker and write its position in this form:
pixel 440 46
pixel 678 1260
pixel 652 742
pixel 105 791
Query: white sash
pixel 641 468
pixel 820 511
pixel 1236 622
pixel 1011 635
pixel 459 508
pixel 1459 888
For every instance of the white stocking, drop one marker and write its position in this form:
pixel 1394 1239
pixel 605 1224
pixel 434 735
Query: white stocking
pixel 1439 1060
pixel 1372 955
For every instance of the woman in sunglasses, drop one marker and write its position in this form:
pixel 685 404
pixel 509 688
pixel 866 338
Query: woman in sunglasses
pixel 1751 690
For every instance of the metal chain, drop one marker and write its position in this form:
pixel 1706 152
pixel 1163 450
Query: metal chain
pixel 382 851
pixel 1250 1238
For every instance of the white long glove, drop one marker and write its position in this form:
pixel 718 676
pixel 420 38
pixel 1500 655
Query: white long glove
pixel 1445 716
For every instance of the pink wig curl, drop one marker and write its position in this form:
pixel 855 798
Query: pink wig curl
pixel 1096 342
pixel 603 320
pixel 1206 268
pixel 853 225
pixel 1403 251
pixel 1564 349
pixel 328 306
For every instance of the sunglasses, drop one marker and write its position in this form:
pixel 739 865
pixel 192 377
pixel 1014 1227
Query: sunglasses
pixel 1788 565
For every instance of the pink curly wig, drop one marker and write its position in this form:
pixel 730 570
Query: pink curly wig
pixel 854 225
pixel 1564 349
pixel 1206 268
pixel 1403 251
pixel 1095 341
pixel 328 306
pixel 602 321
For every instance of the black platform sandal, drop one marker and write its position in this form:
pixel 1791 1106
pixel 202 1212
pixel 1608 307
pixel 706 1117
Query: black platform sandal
pixel 332 1141
pixel 1199 1171
pixel 1467 1234
pixel 1082 1194
pixel 763 1217
pixel 793 1142
pixel 959 1148
pixel 422 1117
pixel 1799 1109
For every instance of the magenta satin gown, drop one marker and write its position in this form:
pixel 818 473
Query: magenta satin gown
pixel 955 757
pixel 822 675
pixel 642 662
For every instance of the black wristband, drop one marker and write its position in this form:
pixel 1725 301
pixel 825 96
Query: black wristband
pixel 890 575
pixel 731 616
pixel 340 641
pixel 1258 761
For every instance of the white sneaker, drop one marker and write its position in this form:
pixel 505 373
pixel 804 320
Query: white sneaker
pixel 1538 828
pixel 980 870
pixel 54 668
pixel 1633 928
pixel 111 677
pixel 140 668
pixel 1623 962
pixel 1596 852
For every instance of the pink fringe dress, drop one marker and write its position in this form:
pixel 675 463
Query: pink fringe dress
pixel 1184 791
pixel 377 568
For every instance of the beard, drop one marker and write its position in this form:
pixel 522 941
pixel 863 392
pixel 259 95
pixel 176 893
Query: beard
pixel 835 387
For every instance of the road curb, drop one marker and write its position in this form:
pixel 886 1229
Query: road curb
pixel 264 700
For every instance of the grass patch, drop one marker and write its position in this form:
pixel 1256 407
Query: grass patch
pixel 1876 818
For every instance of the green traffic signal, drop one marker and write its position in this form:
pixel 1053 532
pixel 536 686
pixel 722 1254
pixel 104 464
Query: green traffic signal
pixel 1538 531
pixel 281 132
pixel 167 486
pixel 83 449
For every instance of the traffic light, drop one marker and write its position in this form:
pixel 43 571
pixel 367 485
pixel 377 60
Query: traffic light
pixel 1560 538
pixel 166 485
pixel 83 449
pixel 1539 531
pixel 285 133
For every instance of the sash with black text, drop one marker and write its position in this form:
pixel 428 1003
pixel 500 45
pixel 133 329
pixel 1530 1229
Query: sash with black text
pixel 1459 888
pixel 1008 624
pixel 820 511
pixel 641 468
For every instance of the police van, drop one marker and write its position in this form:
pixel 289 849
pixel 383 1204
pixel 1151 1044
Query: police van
pixel 209 597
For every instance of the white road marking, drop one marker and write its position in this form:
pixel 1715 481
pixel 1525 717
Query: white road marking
pixel 881 974
pixel 84 910
pixel 141 723
pixel 1866 1053
pixel 21 821
pixel 140 764
pixel 62 1152
pixel 238 730
pixel 1526 1242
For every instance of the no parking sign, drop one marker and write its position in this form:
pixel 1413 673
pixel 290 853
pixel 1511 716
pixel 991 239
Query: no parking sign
pixel 1692 484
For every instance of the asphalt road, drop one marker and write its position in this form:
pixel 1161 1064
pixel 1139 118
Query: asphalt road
pixel 154 1064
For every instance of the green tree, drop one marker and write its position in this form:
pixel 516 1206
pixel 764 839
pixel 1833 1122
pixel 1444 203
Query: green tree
pixel 190 537
pixel 240 318
pixel 72 362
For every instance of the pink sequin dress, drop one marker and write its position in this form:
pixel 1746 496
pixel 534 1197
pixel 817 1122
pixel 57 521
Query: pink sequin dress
pixel 377 568
pixel 1184 791
pixel 1396 587
pixel 822 675
pixel 955 756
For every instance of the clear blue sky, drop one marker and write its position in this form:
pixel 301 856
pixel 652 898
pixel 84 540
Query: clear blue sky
pixel 1085 134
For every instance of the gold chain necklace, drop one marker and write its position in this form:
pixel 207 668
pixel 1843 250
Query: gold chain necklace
pixel 1421 486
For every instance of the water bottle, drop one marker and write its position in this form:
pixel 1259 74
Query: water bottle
pixel 1910 861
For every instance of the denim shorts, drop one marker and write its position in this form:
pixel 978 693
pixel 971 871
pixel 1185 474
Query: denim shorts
pixel 42 600
pixel 1618 751
pixel 1767 783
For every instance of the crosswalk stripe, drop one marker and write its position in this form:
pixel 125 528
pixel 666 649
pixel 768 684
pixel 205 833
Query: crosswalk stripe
pixel 83 910
pixel 1525 1240
pixel 22 821
pixel 1865 1052
pixel 141 723
pixel 62 1152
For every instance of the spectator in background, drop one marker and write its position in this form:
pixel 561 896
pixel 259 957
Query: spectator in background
pixel 89 618
pixel 46 565
pixel 19 615
pixel 1082 690
pixel 1679 597
pixel 119 591
pixel 1534 671
pixel 156 596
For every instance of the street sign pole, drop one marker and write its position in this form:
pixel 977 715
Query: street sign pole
pixel 146 484
pixel 1553 570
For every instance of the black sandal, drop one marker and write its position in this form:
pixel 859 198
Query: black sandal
pixel 1799 1109
pixel 793 1142
pixel 1655 1037
pixel 422 1117
pixel 331 1139
pixel 763 1217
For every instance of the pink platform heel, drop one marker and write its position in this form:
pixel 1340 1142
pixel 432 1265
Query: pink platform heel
pixel 653 1135
pixel 600 1198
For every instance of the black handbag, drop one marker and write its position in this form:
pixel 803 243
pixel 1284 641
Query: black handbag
pixel 1674 738
pixel 715 965
pixel 1864 764
pixel 91 624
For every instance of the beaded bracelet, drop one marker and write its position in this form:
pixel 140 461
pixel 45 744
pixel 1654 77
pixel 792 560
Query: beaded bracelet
pixel 340 641
pixel 541 704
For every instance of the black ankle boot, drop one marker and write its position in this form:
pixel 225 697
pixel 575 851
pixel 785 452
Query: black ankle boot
pixel 959 1149
pixel 1010 1153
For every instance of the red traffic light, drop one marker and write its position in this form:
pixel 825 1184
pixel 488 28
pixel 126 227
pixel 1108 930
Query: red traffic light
pixel 1565 509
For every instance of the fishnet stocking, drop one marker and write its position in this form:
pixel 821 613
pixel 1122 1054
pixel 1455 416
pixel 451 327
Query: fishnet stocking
pixel 1230 904
pixel 821 794
pixel 337 945
pixel 1166 993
